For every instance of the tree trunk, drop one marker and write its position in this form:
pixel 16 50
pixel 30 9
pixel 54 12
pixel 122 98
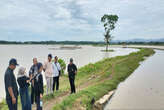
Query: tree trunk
pixel 106 47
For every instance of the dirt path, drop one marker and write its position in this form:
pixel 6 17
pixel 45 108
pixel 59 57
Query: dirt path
pixel 48 105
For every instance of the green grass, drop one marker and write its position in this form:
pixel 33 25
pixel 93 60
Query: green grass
pixel 123 67
pixel 95 79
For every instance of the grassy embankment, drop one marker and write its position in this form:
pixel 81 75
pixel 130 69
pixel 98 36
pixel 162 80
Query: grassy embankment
pixel 107 73
pixel 93 81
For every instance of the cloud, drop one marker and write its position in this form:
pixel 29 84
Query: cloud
pixel 79 19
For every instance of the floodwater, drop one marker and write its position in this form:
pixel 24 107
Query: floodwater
pixel 25 53
pixel 144 89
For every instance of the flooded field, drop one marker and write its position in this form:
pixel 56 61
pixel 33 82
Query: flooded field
pixel 143 90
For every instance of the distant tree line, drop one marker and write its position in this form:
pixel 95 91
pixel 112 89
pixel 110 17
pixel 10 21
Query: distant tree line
pixel 53 42
pixel 140 43
pixel 81 43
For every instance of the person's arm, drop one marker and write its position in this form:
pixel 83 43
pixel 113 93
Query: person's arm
pixel 75 69
pixel 8 82
pixel 68 70
pixel 59 67
pixel 27 79
pixel 44 66
pixel 12 95
pixel 31 72
pixel 31 75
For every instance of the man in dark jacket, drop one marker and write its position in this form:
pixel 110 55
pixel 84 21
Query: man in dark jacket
pixel 72 71
pixel 33 71
pixel 11 87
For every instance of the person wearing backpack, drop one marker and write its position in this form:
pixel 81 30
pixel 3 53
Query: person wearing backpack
pixel 56 73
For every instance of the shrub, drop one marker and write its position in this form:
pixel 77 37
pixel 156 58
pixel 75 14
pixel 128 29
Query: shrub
pixel 63 65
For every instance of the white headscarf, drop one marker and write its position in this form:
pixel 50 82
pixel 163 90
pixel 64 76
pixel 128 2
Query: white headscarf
pixel 21 72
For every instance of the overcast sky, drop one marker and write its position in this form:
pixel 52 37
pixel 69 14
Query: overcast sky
pixel 24 20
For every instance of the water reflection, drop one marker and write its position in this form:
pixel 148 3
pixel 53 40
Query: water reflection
pixel 106 54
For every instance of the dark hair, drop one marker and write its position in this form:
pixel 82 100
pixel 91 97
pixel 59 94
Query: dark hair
pixel 50 55
pixel 34 58
pixel 56 57
pixel 71 59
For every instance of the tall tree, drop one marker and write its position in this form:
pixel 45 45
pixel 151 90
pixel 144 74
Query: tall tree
pixel 109 22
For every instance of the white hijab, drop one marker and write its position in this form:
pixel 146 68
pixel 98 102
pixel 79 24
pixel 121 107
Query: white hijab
pixel 21 72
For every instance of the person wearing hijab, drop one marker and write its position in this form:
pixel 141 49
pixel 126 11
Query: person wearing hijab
pixel 23 82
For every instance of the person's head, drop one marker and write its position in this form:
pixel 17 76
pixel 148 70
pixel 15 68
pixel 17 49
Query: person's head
pixel 71 60
pixel 13 63
pixel 21 71
pixel 49 57
pixel 40 67
pixel 35 61
pixel 56 59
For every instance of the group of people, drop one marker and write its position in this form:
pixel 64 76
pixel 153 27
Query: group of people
pixel 52 72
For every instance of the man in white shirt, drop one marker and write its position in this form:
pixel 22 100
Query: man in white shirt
pixel 48 69
pixel 56 73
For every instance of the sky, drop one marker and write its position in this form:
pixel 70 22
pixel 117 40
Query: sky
pixel 60 20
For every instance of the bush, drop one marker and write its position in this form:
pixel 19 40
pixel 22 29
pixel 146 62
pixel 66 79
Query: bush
pixel 63 65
